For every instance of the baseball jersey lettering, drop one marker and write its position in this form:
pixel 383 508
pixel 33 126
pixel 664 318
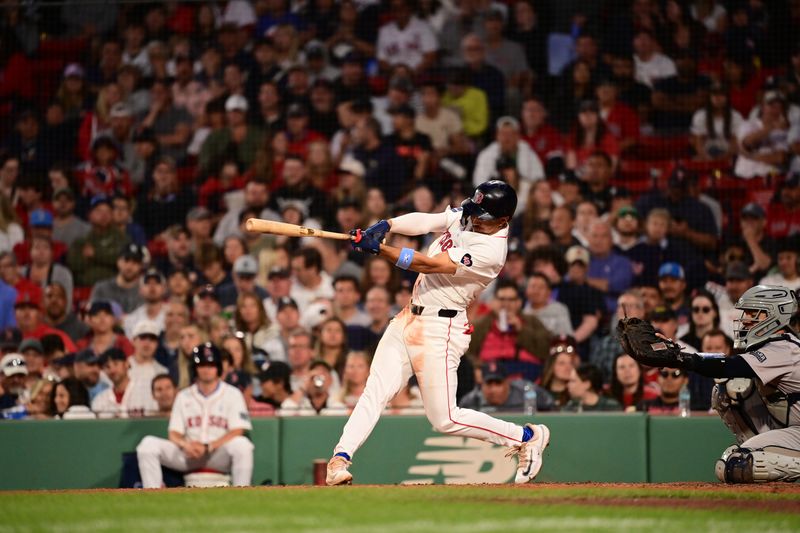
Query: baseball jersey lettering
pixel 207 418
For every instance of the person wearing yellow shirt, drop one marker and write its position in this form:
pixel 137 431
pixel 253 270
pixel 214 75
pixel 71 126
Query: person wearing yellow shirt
pixel 470 102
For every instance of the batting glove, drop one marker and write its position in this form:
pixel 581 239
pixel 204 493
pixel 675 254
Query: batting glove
pixel 363 243
pixel 378 230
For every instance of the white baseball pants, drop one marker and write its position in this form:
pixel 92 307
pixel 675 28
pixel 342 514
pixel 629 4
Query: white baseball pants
pixel 235 456
pixel 430 347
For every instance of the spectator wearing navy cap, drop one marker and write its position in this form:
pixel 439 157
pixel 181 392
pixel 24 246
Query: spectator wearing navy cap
pixel 495 391
pixel 103 334
pixel 152 289
pixel 123 288
pixel 94 257
pixel 760 247
pixel 672 284
pixel 86 369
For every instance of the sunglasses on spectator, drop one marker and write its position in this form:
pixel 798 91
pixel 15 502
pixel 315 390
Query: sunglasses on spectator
pixel 675 373
pixel 704 309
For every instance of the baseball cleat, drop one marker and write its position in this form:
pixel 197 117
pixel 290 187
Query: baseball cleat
pixel 530 453
pixel 337 471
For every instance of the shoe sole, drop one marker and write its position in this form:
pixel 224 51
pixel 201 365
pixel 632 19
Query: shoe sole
pixel 346 480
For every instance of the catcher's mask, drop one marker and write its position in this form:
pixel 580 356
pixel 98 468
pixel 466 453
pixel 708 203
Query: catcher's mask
pixel 766 309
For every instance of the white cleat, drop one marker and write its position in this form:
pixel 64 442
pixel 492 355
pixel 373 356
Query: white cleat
pixel 530 453
pixel 337 471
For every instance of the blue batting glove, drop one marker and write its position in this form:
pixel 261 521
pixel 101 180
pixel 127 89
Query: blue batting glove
pixel 363 243
pixel 378 230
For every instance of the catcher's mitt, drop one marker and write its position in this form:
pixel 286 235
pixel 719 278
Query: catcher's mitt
pixel 639 340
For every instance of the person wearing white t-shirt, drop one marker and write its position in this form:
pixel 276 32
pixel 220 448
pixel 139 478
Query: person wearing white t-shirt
pixel 763 140
pixel 310 281
pixel 406 40
pixel 508 145
pixel 788 266
pixel 206 428
pixel 124 398
pixel 143 366
pixel 651 65
pixel 714 127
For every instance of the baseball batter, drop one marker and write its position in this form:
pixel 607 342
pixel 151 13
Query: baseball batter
pixel 429 336
pixel 206 428
pixel 758 394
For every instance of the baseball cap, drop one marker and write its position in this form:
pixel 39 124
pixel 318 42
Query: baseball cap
pixel 285 302
pixel 99 199
pixel 296 110
pixel 662 314
pixel 100 306
pixel 351 165
pixel 73 70
pixel 246 265
pixel 29 297
pixel 13 364
pixel 40 218
pixel 31 344
pixel 207 291
pixel 132 252
pixel 146 327
pixel 493 371
pixel 236 102
pixel 773 96
pixel 494 14
pixel 680 176
pixel 627 210
pixel 198 213
pixel 112 354
pixel 153 273
pixel 278 272
pixel 753 210
pixel 515 247
pixel 507 121
pixel 671 270
pixel 577 253
pixel 64 360
pixel 737 270
pixel 10 338
pixel 88 357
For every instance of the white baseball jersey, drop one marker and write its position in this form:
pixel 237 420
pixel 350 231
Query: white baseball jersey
pixel 207 418
pixel 135 402
pixel 478 258
pixel 777 363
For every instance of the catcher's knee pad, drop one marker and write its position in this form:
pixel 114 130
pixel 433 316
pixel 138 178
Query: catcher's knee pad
pixel 719 400
pixel 740 465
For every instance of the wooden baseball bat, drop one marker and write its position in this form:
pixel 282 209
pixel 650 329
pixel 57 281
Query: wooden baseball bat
pixel 261 225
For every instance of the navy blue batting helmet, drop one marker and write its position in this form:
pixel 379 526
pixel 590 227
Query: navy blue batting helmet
pixel 491 200
pixel 207 354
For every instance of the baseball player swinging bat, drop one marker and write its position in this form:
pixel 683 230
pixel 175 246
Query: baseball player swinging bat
pixel 261 225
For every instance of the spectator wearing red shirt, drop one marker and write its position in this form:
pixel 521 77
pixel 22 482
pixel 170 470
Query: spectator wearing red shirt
pixel 212 194
pixel 41 225
pixel 621 121
pixel 297 131
pixel 103 173
pixel 103 335
pixel 783 218
pixel 589 136
pixel 543 138
pixel 520 341
pixel 28 312
pixel 10 274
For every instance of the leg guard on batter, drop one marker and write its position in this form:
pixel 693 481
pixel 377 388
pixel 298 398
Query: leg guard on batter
pixel 741 465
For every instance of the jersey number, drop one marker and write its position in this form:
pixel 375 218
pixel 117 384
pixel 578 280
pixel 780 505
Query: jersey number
pixel 447 242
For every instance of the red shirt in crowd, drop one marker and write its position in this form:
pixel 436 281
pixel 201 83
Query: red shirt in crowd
pixel 622 122
pixel 608 144
pixel 43 329
pixel 781 222
pixel 547 142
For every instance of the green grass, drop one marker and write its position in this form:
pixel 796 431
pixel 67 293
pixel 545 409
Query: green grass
pixel 393 509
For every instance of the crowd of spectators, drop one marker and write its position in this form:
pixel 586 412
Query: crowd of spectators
pixel 654 145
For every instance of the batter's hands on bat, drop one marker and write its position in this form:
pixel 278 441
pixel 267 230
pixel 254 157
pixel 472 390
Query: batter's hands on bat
pixel 378 230
pixel 364 243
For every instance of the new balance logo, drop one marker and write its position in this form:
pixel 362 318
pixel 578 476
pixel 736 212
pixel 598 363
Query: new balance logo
pixel 459 460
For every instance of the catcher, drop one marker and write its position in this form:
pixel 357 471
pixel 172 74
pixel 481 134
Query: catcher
pixel 757 391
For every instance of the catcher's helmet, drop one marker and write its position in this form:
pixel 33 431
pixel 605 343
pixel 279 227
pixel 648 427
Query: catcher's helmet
pixel 207 354
pixel 491 200
pixel 773 307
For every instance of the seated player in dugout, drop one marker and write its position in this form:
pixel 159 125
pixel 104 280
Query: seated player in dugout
pixel 429 336
pixel 758 390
